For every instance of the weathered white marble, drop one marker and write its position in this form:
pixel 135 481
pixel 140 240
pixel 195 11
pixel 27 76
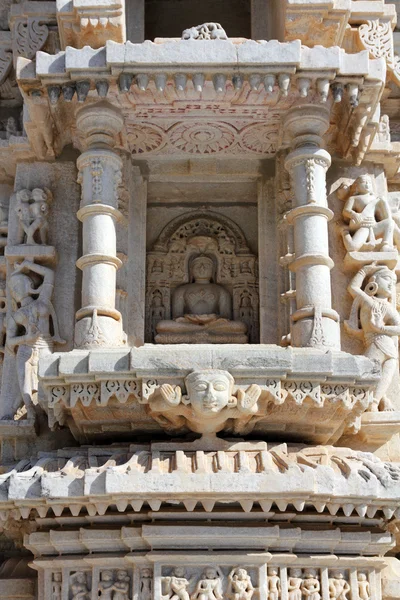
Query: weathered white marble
pixel 199 252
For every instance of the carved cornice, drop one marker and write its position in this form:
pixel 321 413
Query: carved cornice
pixel 320 477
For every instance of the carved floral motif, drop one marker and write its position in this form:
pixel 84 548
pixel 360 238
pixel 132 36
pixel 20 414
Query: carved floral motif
pixel 259 138
pixel 202 138
pixel 144 138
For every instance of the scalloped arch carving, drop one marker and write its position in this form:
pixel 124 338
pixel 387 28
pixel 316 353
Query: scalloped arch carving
pixel 201 223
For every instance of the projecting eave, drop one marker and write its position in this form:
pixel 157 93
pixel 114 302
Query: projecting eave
pixel 237 90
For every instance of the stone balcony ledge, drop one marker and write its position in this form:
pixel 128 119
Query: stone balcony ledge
pixel 307 395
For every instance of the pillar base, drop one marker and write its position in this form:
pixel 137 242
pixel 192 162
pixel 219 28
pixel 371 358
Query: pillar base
pixel 99 331
pixel 316 332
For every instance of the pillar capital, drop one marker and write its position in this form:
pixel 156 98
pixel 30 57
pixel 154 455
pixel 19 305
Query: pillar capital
pixel 99 124
pixel 306 125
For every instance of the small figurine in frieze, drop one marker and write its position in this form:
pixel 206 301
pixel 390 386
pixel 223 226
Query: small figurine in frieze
pixel 209 587
pixel 338 586
pixel 33 324
pixel 311 586
pixel 121 585
pixel 56 586
pixel 79 587
pixel 240 586
pixel 146 584
pixel 209 404
pixel 106 585
pixel 175 585
pixel 295 581
pixel 373 290
pixel 370 224
pixel 32 208
pixel 274 584
pixel 364 592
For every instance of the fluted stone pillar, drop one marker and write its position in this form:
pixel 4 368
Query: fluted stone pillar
pixel 315 323
pixel 98 323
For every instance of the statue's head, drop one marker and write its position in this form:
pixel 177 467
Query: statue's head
pixel 179 571
pixel 295 572
pixel 381 283
pixel 209 392
pixel 273 571
pixel 310 574
pixel 241 574
pixel 362 577
pixel 106 576
pixel 202 269
pixel 338 574
pixel 80 577
pixel 20 287
pixel 57 577
pixel 364 184
pixel 122 575
pixel 146 573
pixel 210 573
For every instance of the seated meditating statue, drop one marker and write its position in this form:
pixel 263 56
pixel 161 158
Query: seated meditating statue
pixel 202 311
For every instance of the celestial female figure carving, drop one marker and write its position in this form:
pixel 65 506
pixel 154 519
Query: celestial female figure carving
pixel 33 325
pixel 121 585
pixel 106 585
pixel 202 311
pixel 32 208
pixel 295 581
pixel 240 586
pixel 176 585
pixel 79 586
pixel 374 310
pixel 274 584
pixel 338 586
pixel 210 586
pixel 370 222
pixel 311 586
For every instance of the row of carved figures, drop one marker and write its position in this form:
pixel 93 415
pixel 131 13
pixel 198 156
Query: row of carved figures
pixel 302 584
pixel 112 586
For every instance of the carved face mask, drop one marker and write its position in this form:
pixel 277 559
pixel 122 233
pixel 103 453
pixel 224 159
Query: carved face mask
pixel 209 393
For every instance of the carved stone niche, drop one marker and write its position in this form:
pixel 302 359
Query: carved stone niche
pixel 202 233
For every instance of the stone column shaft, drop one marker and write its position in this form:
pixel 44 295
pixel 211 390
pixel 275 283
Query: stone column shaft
pixel 314 323
pixel 98 321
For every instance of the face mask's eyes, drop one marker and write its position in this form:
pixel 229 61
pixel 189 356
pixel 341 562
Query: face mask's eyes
pixel 201 387
pixel 219 386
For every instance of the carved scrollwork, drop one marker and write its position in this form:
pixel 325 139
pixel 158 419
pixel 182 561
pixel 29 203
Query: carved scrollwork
pixel 121 389
pixel 30 36
pixel 86 393
pixel 6 60
pixel 377 37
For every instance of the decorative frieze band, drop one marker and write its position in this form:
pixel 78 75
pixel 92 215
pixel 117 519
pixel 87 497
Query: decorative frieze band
pixel 265 576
